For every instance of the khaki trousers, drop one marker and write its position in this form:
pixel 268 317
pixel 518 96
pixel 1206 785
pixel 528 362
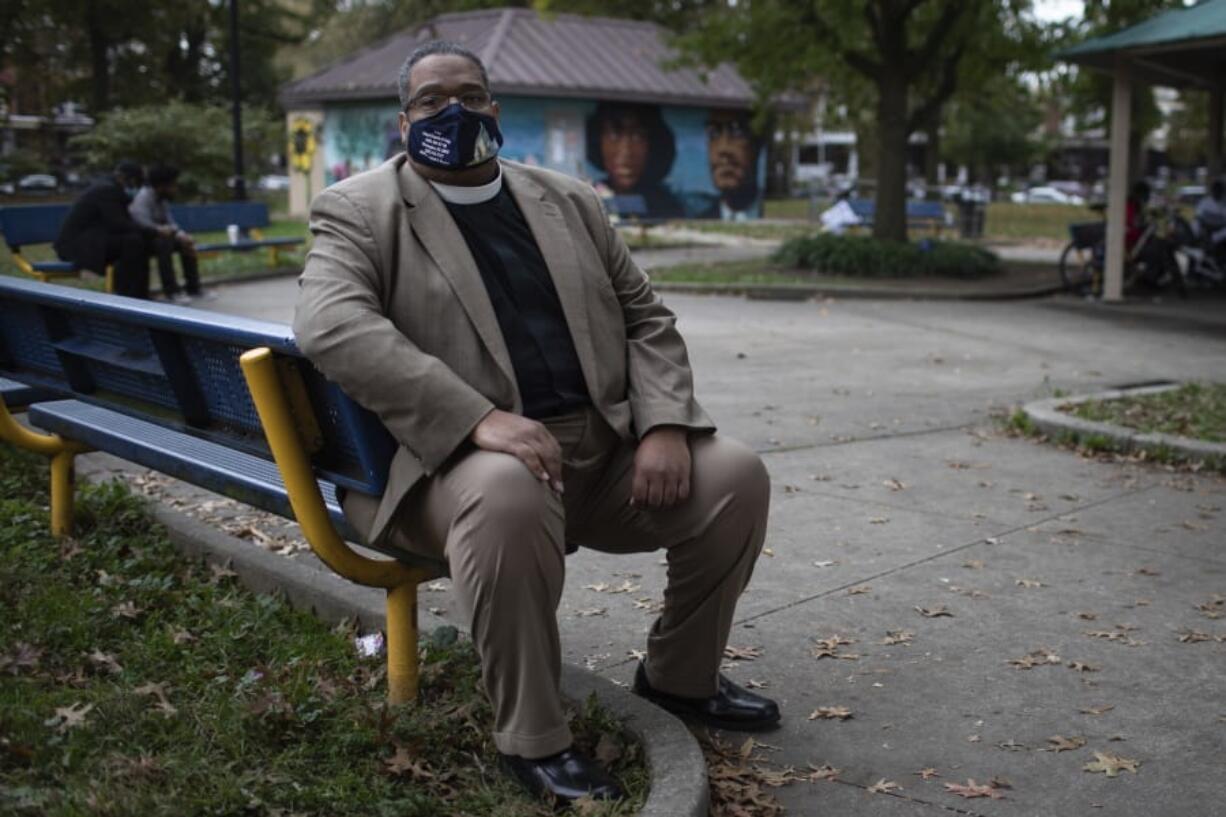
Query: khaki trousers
pixel 503 533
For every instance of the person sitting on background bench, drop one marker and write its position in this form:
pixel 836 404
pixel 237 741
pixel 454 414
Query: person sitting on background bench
pixel 99 231
pixel 150 209
pixel 540 393
pixel 1211 218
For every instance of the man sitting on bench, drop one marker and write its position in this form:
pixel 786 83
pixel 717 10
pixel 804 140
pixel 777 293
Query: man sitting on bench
pixel 151 210
pixel 99 231
pixel 541 394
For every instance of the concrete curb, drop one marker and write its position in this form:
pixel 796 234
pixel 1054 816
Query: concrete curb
pixel 1047 417
pixel 805 292
pixel 675 761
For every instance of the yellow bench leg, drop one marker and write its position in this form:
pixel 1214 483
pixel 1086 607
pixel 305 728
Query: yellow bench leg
pixel 61 451
pixel 63 484
pixel 402 643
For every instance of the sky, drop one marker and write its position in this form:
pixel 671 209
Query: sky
pixel 1055 10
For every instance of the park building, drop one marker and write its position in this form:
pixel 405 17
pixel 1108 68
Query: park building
pixel 587 96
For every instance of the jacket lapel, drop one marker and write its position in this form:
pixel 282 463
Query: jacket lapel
pixel 437 231
pixel 557 247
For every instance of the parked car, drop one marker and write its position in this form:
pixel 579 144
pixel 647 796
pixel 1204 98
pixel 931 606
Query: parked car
pixel 1190 193
pixel 273 183
pixel 1046 195
pixel 38 183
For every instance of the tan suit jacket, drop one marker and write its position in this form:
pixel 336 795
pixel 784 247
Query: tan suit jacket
pixel 392 308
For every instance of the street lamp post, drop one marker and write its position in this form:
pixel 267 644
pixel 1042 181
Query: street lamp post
pixel 240 186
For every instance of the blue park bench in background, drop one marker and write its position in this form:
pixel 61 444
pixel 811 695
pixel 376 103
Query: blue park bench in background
pixel 24 225
pixel 922 214
pixel 222 402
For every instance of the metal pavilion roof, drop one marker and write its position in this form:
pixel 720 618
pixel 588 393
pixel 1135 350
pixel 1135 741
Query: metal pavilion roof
pixel 1181 47
pixel 525 53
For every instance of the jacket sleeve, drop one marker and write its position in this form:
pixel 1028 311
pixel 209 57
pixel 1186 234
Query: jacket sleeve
pixel 340 326
pixel 660 381
pixel 141 209
pixel 114 215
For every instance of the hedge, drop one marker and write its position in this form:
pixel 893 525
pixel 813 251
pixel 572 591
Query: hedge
pixel 867 257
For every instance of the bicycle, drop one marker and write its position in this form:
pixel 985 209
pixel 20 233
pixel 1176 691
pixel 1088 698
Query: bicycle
pixel 1083 261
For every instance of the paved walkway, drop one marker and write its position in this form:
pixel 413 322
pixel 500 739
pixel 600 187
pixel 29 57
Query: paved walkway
pixel 894 494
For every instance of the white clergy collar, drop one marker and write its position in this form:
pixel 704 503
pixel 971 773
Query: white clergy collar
pixel 455 194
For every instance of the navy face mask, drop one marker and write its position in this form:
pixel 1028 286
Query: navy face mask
pixel 454 138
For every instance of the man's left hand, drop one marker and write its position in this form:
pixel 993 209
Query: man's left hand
pixel 661 469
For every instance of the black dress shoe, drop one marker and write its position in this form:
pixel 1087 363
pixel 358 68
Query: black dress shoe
pixel 732 707
pixel 565 777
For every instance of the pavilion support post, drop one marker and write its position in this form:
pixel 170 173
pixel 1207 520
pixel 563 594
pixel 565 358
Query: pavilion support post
pixel 1215 132
pixel 1117 182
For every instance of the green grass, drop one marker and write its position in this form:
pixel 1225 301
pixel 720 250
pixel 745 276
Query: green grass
pixel 196 697
pixel 1195 410
pixel 1005 220
pixel 750 229
pixel 731 272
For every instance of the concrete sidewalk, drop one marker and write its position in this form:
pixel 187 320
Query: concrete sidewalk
pixel 896 499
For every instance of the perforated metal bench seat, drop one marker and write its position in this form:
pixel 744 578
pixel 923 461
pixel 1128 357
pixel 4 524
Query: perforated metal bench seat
pixel 240 476
pixel 54 266
pixel 247 244
pixel 19 395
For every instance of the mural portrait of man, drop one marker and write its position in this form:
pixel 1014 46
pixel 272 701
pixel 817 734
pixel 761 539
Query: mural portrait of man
pixel 635 149
pixel 732 152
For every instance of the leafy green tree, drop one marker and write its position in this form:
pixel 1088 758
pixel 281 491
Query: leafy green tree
pixel 1087 94
pixel 195 138
pixel 907 53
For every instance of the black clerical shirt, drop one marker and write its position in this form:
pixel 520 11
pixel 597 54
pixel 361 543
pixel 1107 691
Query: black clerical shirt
pixel 526 305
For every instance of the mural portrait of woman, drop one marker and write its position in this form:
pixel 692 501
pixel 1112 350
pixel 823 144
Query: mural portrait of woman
pixel 635 149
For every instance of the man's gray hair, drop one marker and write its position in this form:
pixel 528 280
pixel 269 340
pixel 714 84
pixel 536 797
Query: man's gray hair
pixel 429 50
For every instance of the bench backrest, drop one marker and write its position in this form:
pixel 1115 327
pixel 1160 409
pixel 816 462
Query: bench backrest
pixel 179 367
pixel 40 223
pixel 209 218
pixel 32 223
pixel 917 209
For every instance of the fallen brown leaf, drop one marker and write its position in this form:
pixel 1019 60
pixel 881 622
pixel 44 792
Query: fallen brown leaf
pixel 973 789
pixel 884 786
pixel 830 713
pixel 1111 765
pixel 69 717
pixel 823 772
pixel 1059 743
pixel 927 774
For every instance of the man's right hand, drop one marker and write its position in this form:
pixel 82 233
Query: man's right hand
pixel 525 439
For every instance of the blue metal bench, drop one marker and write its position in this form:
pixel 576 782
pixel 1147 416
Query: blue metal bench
pixel 920 214
pixel 25 225
pixel 166 387
pixel 18 395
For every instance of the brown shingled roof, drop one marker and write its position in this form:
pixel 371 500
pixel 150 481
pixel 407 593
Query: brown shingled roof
pixel 565 55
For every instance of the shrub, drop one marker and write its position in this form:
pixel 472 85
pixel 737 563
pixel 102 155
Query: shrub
pixel 197 139
pixel 866 257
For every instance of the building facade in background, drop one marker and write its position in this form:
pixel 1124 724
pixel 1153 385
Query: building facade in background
pixel 586 96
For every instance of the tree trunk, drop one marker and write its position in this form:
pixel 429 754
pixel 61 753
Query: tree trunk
pixel 100 60
pixel 932 151
pixel 890 222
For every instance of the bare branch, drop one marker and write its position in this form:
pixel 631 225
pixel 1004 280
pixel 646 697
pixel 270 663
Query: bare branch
pixel 944 90
pixel 918 59
pixel 858 60
pixel 863 63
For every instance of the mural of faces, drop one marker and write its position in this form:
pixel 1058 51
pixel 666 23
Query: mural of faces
pixel 732 153
pixel 635 149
